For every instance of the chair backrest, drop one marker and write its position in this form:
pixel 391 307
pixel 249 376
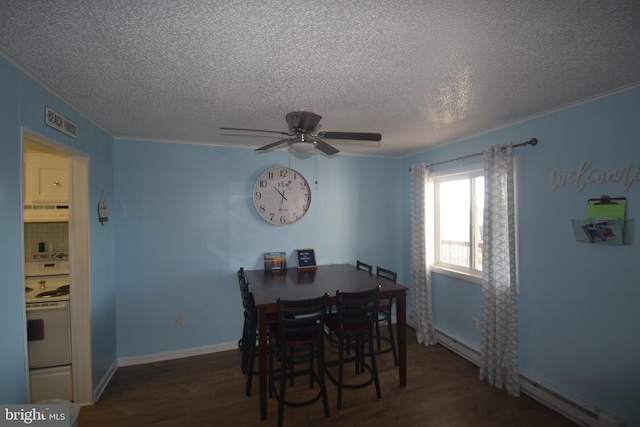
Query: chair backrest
pixel 387 274
pixel 357 311
pixel 363 266
pixel 302 320
pixel 242 276
pixel 248 303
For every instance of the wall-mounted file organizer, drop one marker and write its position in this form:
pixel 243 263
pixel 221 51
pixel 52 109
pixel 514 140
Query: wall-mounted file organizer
pixel 605 222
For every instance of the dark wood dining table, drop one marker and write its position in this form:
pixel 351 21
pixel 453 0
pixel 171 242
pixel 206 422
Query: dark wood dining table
pixel 293 283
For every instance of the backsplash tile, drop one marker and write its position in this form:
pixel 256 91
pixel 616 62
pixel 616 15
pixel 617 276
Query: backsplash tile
pixel 55 236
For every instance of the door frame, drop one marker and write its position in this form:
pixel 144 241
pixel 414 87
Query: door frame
pixel 79 263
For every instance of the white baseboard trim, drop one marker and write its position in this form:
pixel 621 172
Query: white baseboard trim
pixel 97 391
pixel 176 354
pixel 566 405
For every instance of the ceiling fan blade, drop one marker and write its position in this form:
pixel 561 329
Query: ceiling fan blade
pixel 361 136
pixel 273 144
pixel 325 148
pixel 257 130
pixel 304 120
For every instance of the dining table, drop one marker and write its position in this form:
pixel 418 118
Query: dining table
pixel 295 284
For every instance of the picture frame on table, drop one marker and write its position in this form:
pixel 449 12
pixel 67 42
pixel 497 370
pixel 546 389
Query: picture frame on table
pixel 275 261
pixel 306 259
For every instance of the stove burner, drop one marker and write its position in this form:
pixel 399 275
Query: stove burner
pixel 54 293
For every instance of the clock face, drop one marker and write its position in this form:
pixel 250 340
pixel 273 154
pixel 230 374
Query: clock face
pixel 281 196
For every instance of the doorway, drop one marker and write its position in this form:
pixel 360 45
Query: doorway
pixel 78 226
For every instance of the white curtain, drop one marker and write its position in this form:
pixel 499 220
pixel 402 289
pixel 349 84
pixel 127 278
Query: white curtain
pixel 421 254
pixel 499 356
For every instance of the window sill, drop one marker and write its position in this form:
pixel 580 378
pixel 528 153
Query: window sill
pixel 473 278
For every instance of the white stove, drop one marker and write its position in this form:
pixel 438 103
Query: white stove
pixel 47 281
pixel 48 330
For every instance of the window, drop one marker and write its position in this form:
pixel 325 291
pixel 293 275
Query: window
pixel 458 216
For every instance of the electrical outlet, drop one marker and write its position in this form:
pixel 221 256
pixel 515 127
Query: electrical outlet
pixel 177 321
pixel 474 323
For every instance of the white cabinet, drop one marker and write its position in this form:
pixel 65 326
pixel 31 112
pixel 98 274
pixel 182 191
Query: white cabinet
pixel 46 179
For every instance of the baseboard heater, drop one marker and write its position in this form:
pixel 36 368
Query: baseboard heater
pixel 577 411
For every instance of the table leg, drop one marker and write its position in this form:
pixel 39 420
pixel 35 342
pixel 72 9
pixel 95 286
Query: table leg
pixel 401 319
pixel 262 360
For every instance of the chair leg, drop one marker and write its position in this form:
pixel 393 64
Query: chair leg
pixel 311 362
pixel 378 333
pixel 340 371
pixel 281 397
pixel 250 373
pixel 374 369
pixel 391 337
pixel 321 380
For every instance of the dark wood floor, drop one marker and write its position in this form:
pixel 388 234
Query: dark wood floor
pixel 443 390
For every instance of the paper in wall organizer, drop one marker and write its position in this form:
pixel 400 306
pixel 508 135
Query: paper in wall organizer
pixel 605 222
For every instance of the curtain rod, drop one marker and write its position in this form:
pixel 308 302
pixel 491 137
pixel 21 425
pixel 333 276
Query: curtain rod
pixel 532 142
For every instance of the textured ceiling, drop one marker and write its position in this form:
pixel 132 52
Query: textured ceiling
pixel 422 73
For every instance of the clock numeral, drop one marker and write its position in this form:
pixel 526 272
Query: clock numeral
pixel 262 208
pixel 284 173
pixel 304 184
pixel 270 175
pixel 258 195
pixel 263 183
pixel 283 220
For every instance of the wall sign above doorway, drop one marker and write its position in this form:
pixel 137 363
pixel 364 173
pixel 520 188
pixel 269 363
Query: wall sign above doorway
pixel 60 123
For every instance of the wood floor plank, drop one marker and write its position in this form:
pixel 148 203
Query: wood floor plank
pixel 442 390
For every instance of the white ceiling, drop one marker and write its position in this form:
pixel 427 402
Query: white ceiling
pixel 421 72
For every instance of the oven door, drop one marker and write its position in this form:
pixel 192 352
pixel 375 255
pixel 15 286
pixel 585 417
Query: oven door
pixel 48 334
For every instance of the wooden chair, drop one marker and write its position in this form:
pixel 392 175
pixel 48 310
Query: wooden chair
pixel 385 310
pixel 299 338
pixel 247 343
pixel 353 325
pixel 363 266
pixel 242 277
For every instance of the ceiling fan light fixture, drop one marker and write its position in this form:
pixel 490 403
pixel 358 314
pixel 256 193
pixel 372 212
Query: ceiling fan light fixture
pixel 303 145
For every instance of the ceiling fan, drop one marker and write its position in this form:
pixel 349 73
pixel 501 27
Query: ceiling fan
pixel 302 124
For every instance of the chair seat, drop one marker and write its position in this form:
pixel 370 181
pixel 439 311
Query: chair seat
pixel 383 304
pixel 303 339
pixel 333 323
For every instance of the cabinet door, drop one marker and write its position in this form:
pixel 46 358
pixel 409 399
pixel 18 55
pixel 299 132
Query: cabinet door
pixel 49 180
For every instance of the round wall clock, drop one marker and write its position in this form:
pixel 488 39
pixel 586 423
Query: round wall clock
pixel 281 196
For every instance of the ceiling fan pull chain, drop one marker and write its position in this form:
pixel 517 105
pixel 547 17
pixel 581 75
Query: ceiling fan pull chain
pixel 315 155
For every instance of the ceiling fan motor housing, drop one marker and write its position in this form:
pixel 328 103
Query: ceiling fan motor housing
pixel 302 121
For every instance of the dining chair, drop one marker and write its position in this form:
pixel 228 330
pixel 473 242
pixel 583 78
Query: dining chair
pixel 353 325
pixel 248 341
pixel 241 277
pixel 364 266
pixel 385 309
pixel 299 339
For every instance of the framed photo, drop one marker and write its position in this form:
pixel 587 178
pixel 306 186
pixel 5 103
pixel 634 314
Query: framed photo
pixel 306 258
pixel 275 261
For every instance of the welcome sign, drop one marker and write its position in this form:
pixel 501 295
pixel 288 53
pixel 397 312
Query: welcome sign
pixel 60 123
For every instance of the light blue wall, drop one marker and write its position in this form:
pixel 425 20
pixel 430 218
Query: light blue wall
pixel 182 222
pixel 578 304
pixel 22 104
pixel 186 223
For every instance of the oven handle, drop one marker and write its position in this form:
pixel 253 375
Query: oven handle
pixel 46 306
